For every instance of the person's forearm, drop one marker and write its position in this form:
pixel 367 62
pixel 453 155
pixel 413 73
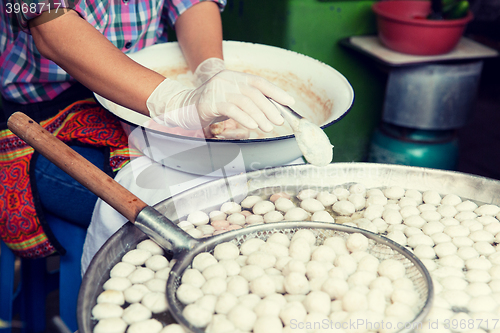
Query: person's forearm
pixel 83 52
pixel 199 32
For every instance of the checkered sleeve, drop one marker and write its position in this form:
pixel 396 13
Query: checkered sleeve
pixel 174 8
pixel 25 10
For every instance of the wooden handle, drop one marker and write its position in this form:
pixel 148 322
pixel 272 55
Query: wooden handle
pixel 76 166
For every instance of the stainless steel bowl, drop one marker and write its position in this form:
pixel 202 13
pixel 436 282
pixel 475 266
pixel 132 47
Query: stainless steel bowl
pixel 211 195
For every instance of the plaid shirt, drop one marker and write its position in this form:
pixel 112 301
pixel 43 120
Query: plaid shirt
pixel 131 25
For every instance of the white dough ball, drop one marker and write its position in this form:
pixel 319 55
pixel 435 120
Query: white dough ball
pixel 263 207
pixel 431 197
pixel 203 260
pixel 358 201
pixel 415 240
pixel 111 296
pixel 452 261
pixel 346 262
pixel 447 210
pixel 284 204
pixel 230 208
pixel 156 262
pixel 336 288
pixel 135 293
pixel 451 199
pixel 414 194
pixel 254 219
pixel 440 237
pixel 251 272
pixel 383 284
pixel 318 301
pixel 392 269
pixel 326 198
pixel 478 275
pixel 296 284
pixel 273 216
pixel 122 269
pixel 263 286
pixel 462 241
pixel 337 244
pixel 300 249
pixel 487 209
pixel 378 200
pixel 478 289
pixel 135 313
pixel 196 315
pixel 368 263
pixel 151 246
pixel 478 263
pixel 225 302
pixel 484 248
pixel 414 221
pixel 268 324
pixel 236 219
pixel 323 253
pixel 267 307
pixel 322 216
pixel 156 302
pixel 408 211
pixel 466 206
pixel 217 215
pixel 343 207
pixel 188 294
pixel 354 301
pixel 380 224
pixel 430 215
pixel 279 238
pixel 445 249
pixel 193 277
pixel 242 317
pixel 392 216
pixel 357 242
pixel 238 286
pixel 141 275
pixel 117 283
pixel 373 212
pixel 106 310
pixel 401 311
pixel 251 245
pixel 463 216
pixel 110 325
pixel 157 285
pixel 398 237
pixel 482 304
pixel 312 205
pixel 250 301
pixel 275 249
pixel 482 236
pixel 424 252
pixel 406 296
pixel 226 251
pixel 341 193
pixel 136 257
pixel 214 286
pixel 296 214
pixel 293 311
pixel 250 201
pixel 198 218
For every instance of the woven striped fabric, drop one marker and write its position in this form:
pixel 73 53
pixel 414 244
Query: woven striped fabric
pixel 21 228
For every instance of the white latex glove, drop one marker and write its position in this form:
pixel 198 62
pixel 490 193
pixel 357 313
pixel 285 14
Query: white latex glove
pixel 228 94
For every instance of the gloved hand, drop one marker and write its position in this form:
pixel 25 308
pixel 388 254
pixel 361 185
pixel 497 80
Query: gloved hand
pixel 227 94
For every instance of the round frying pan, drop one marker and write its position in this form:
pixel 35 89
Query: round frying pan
pixel 185 248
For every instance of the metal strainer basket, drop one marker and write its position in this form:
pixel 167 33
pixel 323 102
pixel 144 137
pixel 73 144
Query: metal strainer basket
pixel 380 247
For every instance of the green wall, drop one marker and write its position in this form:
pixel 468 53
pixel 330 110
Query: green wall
pixel 315 28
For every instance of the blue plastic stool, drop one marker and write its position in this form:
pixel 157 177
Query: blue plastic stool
pixel 37 282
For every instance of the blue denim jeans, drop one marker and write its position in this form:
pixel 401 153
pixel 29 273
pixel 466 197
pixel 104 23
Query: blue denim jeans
pixel 61 195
